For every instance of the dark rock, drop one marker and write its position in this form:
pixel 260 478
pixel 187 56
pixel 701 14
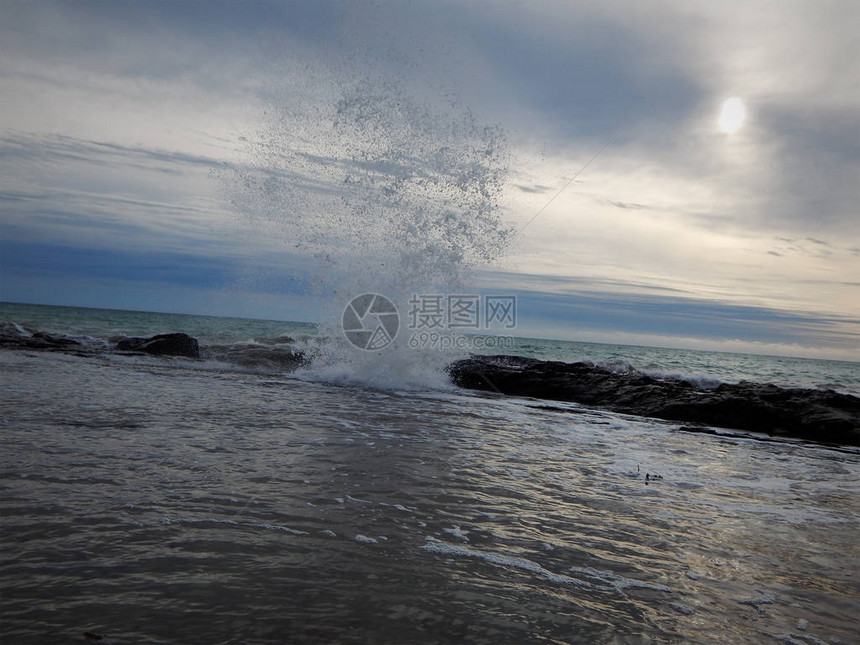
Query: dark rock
pixel 131 344
pixel 14 336
pixel 817 415
pixel 162 345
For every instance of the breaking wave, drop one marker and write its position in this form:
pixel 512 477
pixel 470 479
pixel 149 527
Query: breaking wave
pixel 379 192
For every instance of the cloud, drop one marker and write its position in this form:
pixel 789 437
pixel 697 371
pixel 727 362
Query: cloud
pixel 105 195
pixel 20 148
pixel 628 206
pixel 537 189
pixel 606 310
pixel 611 313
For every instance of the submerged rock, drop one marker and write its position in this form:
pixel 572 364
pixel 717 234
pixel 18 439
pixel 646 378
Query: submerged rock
pixel 162 345
pixel 817 415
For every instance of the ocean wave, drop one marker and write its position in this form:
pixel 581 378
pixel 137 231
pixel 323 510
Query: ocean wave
pixel 267 358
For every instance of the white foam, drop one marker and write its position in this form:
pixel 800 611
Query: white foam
pixel 432 545
pixel 255 525
pixel 275 527
pixel 458 533
pixel 20 330
pixel 358 500
pixel 617 582
pixel 363 539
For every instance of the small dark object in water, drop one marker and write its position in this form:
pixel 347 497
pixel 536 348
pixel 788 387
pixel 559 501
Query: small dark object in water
pixel 90 636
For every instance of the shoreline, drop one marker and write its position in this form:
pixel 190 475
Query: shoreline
pixel 819 415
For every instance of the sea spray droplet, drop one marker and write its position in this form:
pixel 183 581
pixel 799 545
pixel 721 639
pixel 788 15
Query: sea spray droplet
pixel 387 195
pixel 428 181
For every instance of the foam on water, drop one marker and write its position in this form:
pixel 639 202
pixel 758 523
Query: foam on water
pixel 432 545
pixel 384 193
pixel 208 522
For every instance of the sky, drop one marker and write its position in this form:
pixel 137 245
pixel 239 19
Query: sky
pixel 213 157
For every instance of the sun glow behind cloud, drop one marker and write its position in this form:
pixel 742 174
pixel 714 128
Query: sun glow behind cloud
pixel 733 115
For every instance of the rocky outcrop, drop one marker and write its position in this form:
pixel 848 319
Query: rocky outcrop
pixel 817 415
pixel 162 345
pixel 279 356
pixel 13 336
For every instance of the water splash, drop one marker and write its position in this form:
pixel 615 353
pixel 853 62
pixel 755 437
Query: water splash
pixel 383 193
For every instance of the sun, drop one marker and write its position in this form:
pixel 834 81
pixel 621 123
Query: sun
pixel 732 115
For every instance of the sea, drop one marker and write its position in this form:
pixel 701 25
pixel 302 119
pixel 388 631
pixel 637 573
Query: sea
pixel 228 499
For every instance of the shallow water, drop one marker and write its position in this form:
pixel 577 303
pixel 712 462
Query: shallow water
pixel 147 501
